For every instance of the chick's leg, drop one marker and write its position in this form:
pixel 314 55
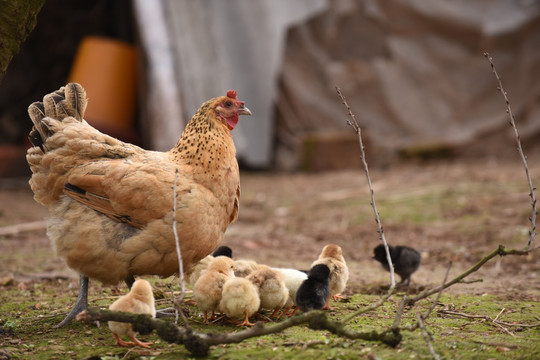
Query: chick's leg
pixel 80 305
pixel 327 305
pixel 140 343
pixel 246 320
pixel 122 342
pixel 293 312
pixel 276 310
pixel 284 312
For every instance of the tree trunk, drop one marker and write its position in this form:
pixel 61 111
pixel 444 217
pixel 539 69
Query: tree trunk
pixel 17 20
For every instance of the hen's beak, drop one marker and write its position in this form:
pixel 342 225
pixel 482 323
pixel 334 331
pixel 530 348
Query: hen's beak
pixel 244 111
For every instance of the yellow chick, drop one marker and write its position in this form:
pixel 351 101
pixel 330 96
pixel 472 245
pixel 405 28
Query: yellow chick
pixel 332 256
pixel 239 300
pixel 208 289
pixel 140 300
pixel 271 287
pixel 196 271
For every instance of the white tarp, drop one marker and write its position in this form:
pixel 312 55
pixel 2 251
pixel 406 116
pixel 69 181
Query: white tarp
pixel 219 45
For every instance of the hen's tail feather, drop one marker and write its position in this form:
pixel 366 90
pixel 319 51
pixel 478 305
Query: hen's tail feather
pixel 36 139
pixel 68 101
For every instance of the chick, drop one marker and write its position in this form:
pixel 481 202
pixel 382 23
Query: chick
pixel 239 299
pixel 208 288
pixel 332 256
pixel 293 280
pixel 271 287
pixel 223 251
pixel 139 300
pixel 406 260
pixel 197 270
pixel 244 267
pixel 315 291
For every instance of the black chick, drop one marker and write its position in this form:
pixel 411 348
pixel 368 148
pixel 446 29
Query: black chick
pixel 315 290
pixel 223 251
pixel 406 260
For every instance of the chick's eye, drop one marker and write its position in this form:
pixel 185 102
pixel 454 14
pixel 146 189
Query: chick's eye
pixel 228 103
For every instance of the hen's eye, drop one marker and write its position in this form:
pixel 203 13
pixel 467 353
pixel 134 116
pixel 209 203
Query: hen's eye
pixel 228 103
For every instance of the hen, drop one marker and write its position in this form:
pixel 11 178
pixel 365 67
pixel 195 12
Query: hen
pixel 111 202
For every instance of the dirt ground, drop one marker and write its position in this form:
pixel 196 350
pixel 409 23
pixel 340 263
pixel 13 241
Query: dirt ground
pixel 456 210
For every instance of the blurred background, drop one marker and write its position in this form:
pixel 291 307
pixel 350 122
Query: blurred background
pixel 413 72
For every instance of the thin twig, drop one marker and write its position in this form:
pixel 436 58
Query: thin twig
pixel 482 317
pixel 356 127
pixel 436 300
pixel 499 314
pixel 178 301
pixel 499 251
pixel 399 312
pixel 428 312
pixel 486 317
pixel 127 353
pixel 378 303
pixel 512 122
pixel 428 337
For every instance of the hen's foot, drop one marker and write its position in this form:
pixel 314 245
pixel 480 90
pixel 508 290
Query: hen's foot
pixel 80 305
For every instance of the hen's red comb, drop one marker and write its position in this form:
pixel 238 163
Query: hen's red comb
pixel 232 94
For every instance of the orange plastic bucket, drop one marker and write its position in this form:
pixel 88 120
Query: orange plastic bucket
pixel 107 69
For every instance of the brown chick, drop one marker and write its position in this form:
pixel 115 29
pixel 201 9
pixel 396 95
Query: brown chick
pixel 332 256
pixel 140 300
pixel 239 300
pixel 110 202
pixel 271 287
pixel 208 289
pixel 244 267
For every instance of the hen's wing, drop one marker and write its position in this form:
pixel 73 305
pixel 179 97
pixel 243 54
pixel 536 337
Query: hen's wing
pixel 131 191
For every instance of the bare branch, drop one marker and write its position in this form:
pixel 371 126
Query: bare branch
pixel 512 122
pixel 399 312
pixel 499 251
pixel 428 337
pixel 199 343
pixel 404 301
pixel 436 300
pixel 354 124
